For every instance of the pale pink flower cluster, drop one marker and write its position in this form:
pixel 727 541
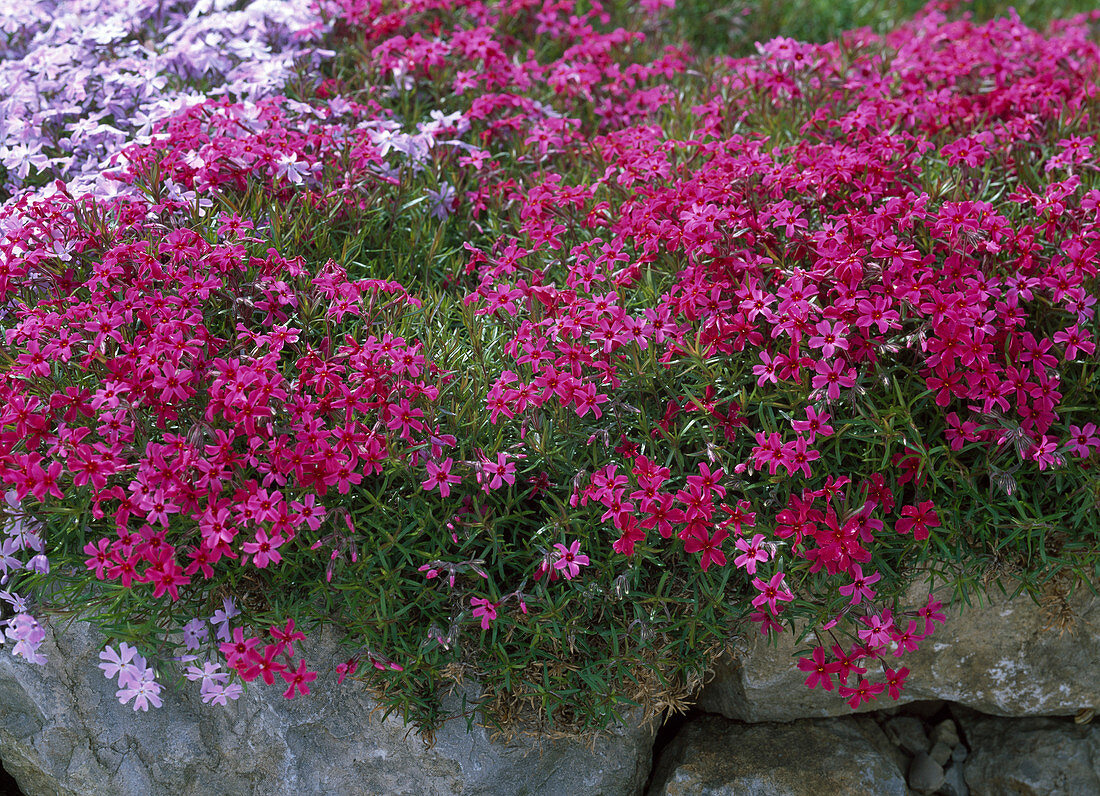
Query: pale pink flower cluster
pixel 27 634
pixel 136 679
pixel 19 537
pixel 215 687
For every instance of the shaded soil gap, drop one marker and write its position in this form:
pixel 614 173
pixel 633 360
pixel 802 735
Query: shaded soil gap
pixel 8 785
pixel 665 734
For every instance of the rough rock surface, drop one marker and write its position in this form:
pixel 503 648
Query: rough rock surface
pixel 1002 658
pixel 1032 757
pixel 908 733
pixel 925 774
pixel 712 756
pixel 62 731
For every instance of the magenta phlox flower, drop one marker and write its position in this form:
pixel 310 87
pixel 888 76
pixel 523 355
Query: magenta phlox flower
pixel 440 476
pixel 878 630
pixel 569 559
pixel 906 640
pixel 832 376
pixel 350 666
pixel 264 549
pixel 918 520
pixel 796 456
pixel 860 587
pixel 298 679
pixel 815 423
pixel 236 649
pixel 493 475
pixel 830 337
pixel 895 680
pixel 771 592
pixel 696 540
pixel 932 614
pixel 308 511
pixel 1082 439
pixel 820 671
pixel 765 371
pixel 766 621
pixel 484 609
pixel 1045 453
pixel 752 553
pixel 1076 341
pixel 287 635
pixel 865 691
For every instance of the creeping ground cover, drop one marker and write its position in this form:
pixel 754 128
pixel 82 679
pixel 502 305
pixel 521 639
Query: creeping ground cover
pixel 526 343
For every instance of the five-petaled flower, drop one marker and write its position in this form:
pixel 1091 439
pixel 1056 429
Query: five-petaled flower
pixel 752 553
pixel 820 671
pixel 918 519
pixel 299 679
pixel 771 591
pixel 570 560
pixel 709 546
pixel 865 691
pixel 484 609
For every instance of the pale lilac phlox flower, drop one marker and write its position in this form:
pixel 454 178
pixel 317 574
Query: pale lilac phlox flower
pixel 220 694
pixel 27 634
pixel 143 689
pixel 194 632
pixel 125 663
pixel 211 674
pixel 221 618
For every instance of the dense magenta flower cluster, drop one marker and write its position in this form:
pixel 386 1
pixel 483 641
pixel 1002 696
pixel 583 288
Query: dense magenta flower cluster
pixel 205 396
pixel 819 258
pixel 175 368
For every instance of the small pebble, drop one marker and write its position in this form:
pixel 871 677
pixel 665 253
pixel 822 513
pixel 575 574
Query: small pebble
pixel 959 754
pixel 908 733
pixel 954 783
pixel 925 774
pixel 940 752
pixel 946 732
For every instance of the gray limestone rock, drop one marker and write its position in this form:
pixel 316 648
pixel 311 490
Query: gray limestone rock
pixel 1032 757
pixel 712 756
pixel 881 741
pixel 925 774
pixel 954 782
pixel 62 731
pixel 1001 658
